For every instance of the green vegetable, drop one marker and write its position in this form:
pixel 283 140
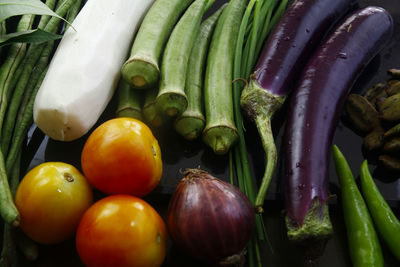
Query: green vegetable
pixel 10 8
pixel 7 208
pixel 386 222
pixel 220 132
pixel 142 68
pixel 30 36
pixel 394 131
pixel 191 122
pixel 149 110
pixel 363 241
pixel 171 99
pixel 129 101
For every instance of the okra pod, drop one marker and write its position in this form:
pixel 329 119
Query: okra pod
pixel 129 101
pixel 190 123
pixel 142 68
pixel 171 99
pixel 220 132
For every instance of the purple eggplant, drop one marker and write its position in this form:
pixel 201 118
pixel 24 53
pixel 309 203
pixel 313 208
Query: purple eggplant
pixel 315 106
pixel 291 43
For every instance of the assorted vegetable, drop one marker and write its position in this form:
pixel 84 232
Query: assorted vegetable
pixel 376 116
pixel 386 223
pixel 200 70
pixel 362 239
pixel 284 55
pixel 122 156
pixel 51 199
pixel 88 80
pixel 190 123
pixel 142 68
pixel 121 230
pixel 220 131
pixel 171 99
pixel 313 115
pixel 210 219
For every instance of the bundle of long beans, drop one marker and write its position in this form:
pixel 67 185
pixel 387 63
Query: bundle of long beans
pixel 21 75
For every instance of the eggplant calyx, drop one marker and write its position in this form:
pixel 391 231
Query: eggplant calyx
pixel 257 101
pixel 315 226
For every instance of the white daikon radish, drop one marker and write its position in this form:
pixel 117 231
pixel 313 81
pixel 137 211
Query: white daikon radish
pixel 84 71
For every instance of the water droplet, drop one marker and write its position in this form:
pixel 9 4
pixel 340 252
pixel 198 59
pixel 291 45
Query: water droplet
pixel 293 45
pixel 342 55
pixel 307 30
pixel 299 165
pixel 287 38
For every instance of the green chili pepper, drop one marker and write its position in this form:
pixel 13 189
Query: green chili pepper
pixel 362 239
pixel 387 224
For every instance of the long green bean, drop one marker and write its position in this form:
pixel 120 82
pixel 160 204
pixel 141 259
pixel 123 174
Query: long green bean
pixel 16 54
pixel 21 94
pixel 24 122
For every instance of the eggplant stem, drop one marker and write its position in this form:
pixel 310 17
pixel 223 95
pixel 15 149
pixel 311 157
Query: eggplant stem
pixel 264 128
pixel 260 106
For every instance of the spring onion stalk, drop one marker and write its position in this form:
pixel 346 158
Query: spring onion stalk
pixel 252 33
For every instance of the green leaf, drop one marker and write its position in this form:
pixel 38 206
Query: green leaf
pixel 31 36
pixel 10 8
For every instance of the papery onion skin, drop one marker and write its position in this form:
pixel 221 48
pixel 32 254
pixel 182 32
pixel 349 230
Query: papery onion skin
pixel 208 218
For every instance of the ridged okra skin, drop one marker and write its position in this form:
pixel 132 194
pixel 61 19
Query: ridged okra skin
pixel 192 121
pixel 220 132
pixel 171 99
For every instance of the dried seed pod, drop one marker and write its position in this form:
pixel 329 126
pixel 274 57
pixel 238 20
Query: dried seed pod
pixel 375 92
pixel 390 163
pixel 392 146
pixel 394 131
pixel 362 114
pixel 393 87
pixel 390 109
pixel 395 73
pixel 379 102
pixel 374 140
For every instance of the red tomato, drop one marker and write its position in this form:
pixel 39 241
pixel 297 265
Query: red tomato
pixel 123 231
pixel 51 199
pixel 122 156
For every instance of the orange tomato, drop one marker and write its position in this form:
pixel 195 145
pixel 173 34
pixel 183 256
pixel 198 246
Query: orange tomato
pixel 51 199
pixel 122 156
pixel 123 231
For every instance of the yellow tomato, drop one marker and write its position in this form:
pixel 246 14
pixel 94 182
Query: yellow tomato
pixel 122 156
pixel 51 199
pixel 123 231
